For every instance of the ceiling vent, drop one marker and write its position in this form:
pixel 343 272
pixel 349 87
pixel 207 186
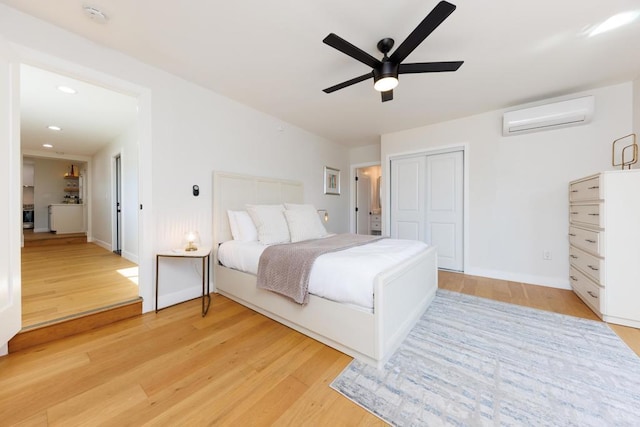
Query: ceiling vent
pixel 556 115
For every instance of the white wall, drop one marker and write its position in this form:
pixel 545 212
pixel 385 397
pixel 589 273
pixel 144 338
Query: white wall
pixel 365 154
pixel 518 184
pixel 103 193
pixel 186 132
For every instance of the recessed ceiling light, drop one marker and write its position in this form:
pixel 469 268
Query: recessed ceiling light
pixel 95 14
pixel 614 22
pixel 54 127
pixel 67 89
pixel 47 145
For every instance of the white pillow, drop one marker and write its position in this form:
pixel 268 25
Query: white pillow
pixel 270 223
pixel 304 223
pixel 242 226
pixel 233 225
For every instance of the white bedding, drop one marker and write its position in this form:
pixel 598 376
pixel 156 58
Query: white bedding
pixel 344 276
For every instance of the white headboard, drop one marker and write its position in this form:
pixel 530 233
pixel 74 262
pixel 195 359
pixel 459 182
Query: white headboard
pixel 233 191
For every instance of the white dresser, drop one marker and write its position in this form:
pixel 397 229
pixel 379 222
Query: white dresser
pixel 604 238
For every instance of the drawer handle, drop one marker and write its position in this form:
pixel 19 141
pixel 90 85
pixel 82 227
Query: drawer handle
pixel 574 191
pixel 592 294
pixel 573 278
pixel 594 187
pixel 573 256
pixel 594 214
pixel 589 240
pixel 572 235
pixel 593 268
pixel 575 213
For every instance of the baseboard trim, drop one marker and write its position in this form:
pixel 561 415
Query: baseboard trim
pixel 101 243
pixel 551 282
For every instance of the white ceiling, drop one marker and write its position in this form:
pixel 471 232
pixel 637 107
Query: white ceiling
pixel 89 119
pixel 270 55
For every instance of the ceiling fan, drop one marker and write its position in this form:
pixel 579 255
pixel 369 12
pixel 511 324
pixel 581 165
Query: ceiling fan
pixel 385 72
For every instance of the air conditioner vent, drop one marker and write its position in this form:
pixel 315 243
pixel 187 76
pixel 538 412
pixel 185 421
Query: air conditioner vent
pixel 556 115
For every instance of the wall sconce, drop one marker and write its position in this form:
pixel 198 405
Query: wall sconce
pixel 192 240
pixel 324 215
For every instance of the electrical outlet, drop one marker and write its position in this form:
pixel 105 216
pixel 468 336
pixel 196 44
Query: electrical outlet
pixel 546 255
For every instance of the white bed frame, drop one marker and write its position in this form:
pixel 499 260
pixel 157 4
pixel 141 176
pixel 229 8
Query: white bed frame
pixel 401 294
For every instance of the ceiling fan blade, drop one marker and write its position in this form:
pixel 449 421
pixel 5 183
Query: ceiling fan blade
pixel 429 67
pixel 348 83
pixel 426 27
pixel 387 96
pixel 348 49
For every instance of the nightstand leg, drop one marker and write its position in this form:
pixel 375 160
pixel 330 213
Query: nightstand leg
pixel 205 310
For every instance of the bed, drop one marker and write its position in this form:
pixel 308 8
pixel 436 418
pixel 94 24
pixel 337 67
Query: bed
pixel 401 293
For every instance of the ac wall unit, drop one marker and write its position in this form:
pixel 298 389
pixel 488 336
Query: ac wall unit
pixel 556 115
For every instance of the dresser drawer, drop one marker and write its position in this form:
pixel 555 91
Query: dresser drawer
pixel 586 214
pixel 587 240
pixel 588 291
pixel 591 265
pixel 585 190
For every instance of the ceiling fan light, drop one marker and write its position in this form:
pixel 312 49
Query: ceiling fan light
pixel 385 84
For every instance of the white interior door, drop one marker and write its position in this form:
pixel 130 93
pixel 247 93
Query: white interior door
pixel 10 213
pixel 363 204
pixel 444 210
pixel 407 198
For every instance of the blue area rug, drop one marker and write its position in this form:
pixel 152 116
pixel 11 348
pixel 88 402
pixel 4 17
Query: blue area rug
pixel 473 362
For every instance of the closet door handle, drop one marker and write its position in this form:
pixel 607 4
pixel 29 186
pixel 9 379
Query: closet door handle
pixel 592 294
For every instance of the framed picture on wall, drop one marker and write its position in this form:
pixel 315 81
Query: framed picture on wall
pixel 331 181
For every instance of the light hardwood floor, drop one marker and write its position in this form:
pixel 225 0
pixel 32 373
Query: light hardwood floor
pixel 64 276
pixel 232 367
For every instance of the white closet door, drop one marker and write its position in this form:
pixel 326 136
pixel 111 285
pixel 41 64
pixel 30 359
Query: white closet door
pixel 427 203
pixel 407 198
pixel 444 210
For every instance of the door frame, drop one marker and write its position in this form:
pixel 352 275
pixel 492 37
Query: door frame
pixel 146 240
pixel 11 216
pixel 116 190
pixel 352 189
pixel 442 149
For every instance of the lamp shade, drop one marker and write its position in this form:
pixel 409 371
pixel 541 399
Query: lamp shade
pixel 191 241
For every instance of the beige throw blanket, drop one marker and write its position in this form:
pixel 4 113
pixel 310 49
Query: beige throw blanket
pixel 285 268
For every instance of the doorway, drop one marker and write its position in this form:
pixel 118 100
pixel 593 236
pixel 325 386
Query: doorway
pixel 96 125
pixel 368 210
pixel 427 202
